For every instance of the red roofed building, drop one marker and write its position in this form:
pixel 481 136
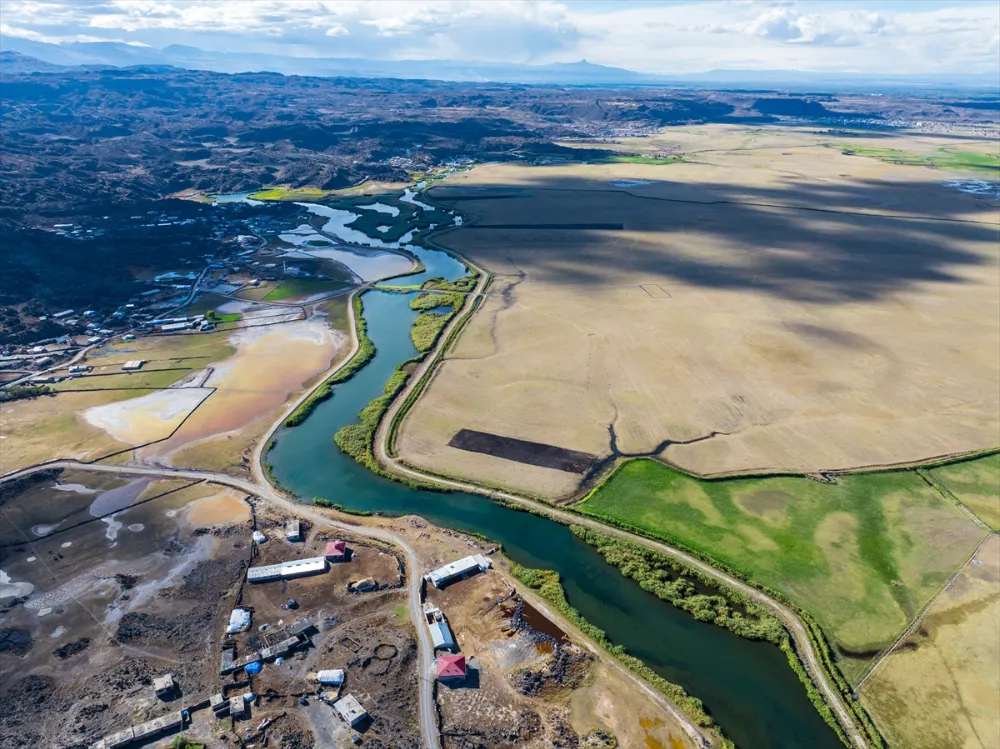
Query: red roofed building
pixel 451 668
pixel 336 551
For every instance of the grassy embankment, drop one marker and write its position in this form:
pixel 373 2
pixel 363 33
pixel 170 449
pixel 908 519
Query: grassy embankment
pixel 942 158
pixel 364 354
pixel 975 484
pixel 358 440
pixel 862 555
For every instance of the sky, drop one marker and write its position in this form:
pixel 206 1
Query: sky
pixel 653 36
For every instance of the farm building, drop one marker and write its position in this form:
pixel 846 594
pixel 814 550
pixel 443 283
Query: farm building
pixel 295 568
pixel 228 663
pixel 441 636
pixel 293 531
pixel 350 710
pixel 336 551
pixel 451 669
pixel 163 724
pixel 219 704
pixel 133 365
pixel 281 649
pixel 463 568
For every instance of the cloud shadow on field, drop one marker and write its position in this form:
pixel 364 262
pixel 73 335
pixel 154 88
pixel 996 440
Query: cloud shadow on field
pixel 796 240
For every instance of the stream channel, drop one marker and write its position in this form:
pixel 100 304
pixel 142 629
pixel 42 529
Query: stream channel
pixel 747 686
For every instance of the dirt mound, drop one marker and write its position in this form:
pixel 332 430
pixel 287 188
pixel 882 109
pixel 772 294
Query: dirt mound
pixel 71 648
pixel 15 641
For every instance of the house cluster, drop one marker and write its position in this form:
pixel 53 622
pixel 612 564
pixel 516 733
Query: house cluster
pixel 451 667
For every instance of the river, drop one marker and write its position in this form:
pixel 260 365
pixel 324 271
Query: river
pixel 747 686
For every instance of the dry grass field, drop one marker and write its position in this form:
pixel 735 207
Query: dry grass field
pixel 940 689
pixel 769 300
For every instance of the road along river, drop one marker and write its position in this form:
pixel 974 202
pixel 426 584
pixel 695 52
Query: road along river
pixel 747 686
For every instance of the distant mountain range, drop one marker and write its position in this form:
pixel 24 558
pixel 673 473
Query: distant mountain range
pixel 576 73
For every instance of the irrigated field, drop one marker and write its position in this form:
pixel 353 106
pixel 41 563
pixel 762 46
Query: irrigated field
pixel 862 555
pixel 769 304
pixel 940 689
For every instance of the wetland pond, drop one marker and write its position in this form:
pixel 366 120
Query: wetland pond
pixel 747 686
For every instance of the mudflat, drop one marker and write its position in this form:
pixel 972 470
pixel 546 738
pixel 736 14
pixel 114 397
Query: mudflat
pixel 774 302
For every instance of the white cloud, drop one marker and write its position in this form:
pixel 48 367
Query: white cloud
pixel 653 36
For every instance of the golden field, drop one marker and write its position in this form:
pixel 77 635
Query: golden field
pixel 777 304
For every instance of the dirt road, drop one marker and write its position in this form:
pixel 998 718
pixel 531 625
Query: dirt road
pixel 425 650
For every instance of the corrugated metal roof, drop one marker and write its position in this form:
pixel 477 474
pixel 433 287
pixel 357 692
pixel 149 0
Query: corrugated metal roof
pixel 441 635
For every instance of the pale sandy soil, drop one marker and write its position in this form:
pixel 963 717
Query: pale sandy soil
pixel 850 335
pixel 270 364
pixel 148 417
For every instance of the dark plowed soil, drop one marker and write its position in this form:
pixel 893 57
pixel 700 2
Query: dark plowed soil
pixel 522 451
pixel 71 648
pixel 577 227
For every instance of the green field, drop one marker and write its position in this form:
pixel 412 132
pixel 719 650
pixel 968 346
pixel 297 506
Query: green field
pixel 976 484
pixel 862 555
pixel 290 193
pixel 942 158
pixel 623 159
pixel 291 288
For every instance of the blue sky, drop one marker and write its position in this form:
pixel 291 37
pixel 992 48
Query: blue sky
pixel 656 36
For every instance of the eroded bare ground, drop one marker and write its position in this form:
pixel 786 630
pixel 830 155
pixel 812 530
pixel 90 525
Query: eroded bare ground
pixel 109 584
pixel 796 316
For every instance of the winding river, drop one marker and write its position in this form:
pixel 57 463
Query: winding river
pixel 747 686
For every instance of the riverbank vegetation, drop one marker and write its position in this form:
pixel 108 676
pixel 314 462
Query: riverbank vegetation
pixel 364 354
pixel 24 392
pixel 863 554
pixel 547 584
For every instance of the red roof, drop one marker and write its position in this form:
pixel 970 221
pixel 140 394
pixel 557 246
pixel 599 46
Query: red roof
pixel 449 666
pixel 336 548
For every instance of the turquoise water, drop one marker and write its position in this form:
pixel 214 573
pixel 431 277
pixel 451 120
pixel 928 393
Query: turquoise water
pixel 747 686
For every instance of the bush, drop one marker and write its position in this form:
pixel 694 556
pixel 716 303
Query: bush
pixel 23 392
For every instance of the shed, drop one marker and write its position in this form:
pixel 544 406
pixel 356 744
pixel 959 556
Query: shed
pixel 219 704
pixel 441 636
pixel 451 668
pixel 333 676
pixel 293 530
pixel 228 663
pixel 336 551
pixel 237 707
pixel 133 365
pixel 294 568
pixel 164 686
pixel 350 710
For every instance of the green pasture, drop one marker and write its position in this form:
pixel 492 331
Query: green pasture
pixel 974 483
pixel 863 555
pixel 291 288
pixel 942 158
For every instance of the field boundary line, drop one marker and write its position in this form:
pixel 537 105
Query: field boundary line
pixel 922 613
pixel 948 494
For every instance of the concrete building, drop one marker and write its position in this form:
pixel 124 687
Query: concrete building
pixel 451 669
pixel 164 686
pixel 237 707
pixel 293 531
pixel 287 570
pixel 453 571
pixel 281 649
pixel 133 365
pixel 164 724
pixel 336 551
pixel 219 705
pixel 228 663
pixel 350 710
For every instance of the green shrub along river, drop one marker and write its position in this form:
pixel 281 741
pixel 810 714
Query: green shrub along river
pixel 746 685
